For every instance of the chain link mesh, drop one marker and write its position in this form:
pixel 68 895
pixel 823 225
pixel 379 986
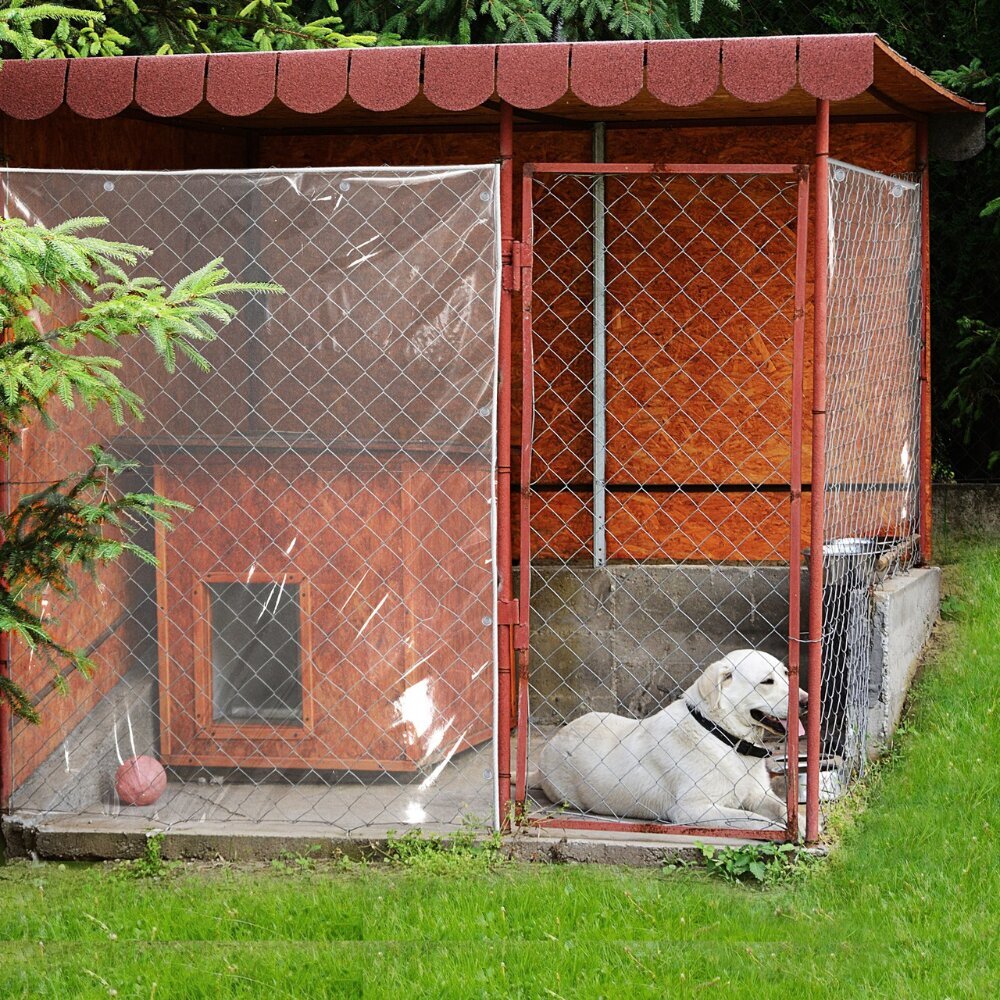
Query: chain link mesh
pixel 660 534
pixel 316 645
pixel 871 498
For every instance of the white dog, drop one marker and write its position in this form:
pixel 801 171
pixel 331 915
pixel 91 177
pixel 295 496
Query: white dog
pixel 699 762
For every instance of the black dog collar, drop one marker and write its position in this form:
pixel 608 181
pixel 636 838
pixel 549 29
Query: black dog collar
pixel 742 747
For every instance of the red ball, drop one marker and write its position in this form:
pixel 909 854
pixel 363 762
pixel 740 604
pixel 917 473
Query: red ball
pixel 140 781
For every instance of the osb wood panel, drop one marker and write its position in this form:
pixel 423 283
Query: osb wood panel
pixel 713 527
pixel 699 332
pixel 66 141
pixel 372 150
pixel 563 330
pixel 666 527
pixel 82 619
pixel 448 600
pixel 349 532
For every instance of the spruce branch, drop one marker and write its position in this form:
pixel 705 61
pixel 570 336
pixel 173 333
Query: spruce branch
pixel 83 522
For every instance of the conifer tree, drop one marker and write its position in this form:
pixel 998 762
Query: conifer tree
pixel 84 520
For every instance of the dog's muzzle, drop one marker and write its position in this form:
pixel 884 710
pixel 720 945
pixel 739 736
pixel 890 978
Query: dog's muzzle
pixel 778 726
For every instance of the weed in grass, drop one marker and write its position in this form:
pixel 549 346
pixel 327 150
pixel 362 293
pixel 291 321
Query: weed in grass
pixel 764 864
pixel 466 851
pixel 151 864
pixel 952 608
pixel 291 862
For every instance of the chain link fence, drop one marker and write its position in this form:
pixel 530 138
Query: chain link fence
pixel 663 311
pixel 316 644
pixel 871 499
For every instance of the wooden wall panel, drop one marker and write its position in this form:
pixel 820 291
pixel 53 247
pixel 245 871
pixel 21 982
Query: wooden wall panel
pixel 66 141
pixel 700 527
pixel 91 618
pixel 668 527
pixel 687 403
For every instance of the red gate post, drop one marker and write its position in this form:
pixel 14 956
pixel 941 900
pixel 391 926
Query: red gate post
pixel 820 282
pixel 504 404
pixel 926 510
pixel 521 642
pixel 795 510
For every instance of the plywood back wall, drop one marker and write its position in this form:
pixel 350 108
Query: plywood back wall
pixel 651 525
pixel 66 141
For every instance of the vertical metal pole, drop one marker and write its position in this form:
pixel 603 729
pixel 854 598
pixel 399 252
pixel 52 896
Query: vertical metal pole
pixel 820 283
pixel 795 508
pixel 6 716
pixel 504 402
pixel 926 509
pixel 522 637
pixel 600 355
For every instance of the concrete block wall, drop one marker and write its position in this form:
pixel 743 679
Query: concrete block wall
pixel 906 608
pixel 630 639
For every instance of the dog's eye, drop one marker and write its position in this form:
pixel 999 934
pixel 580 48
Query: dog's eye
pixel 770 680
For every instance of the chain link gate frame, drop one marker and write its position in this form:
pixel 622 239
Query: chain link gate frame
pixel 796 181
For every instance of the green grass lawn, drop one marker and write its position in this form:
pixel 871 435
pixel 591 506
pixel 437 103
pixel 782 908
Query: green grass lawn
pixel 907 906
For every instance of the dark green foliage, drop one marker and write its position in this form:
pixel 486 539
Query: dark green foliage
pixel 83 521
pixel 140 27
pixel 116 27
pixel 962 42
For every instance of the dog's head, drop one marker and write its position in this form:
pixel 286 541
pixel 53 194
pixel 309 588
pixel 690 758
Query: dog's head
pixel 746 692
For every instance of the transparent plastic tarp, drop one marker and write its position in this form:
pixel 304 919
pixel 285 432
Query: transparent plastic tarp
pixel 871 499
pixel 316 644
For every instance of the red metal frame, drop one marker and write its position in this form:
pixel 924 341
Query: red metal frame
pixel 926 509
pixel 663 168
pixel 524 496
pixel 561 823
pixel 818 483
pixel 795 509
pixel 504 405
pixel 6 716
pixel 795 484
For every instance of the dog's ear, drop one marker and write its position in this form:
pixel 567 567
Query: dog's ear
pixel 711 682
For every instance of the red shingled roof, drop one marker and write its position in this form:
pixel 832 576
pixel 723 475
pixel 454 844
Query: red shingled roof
pixel 459 78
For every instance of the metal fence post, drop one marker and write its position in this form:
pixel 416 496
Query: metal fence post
pixel 821 258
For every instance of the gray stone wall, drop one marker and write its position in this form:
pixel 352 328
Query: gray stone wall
pixel 630 639
pixel 970 510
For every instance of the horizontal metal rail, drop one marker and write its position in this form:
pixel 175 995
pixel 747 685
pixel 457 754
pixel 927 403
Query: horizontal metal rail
pixel 662 168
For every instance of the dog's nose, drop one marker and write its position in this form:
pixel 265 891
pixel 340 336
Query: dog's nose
pixel 803 701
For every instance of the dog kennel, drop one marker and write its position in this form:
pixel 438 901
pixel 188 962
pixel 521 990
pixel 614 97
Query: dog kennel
pixel 595 362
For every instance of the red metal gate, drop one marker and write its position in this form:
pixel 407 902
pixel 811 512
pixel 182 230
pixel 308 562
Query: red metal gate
pixel 663 321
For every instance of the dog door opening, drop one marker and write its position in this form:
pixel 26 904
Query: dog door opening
pixel 256 653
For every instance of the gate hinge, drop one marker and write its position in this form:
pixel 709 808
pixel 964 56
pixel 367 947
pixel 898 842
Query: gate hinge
pixel 511 267
pixel 508 612
pixel 521 634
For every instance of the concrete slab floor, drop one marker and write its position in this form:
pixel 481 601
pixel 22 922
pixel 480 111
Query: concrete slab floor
pixel 122 837
pixel 255 822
